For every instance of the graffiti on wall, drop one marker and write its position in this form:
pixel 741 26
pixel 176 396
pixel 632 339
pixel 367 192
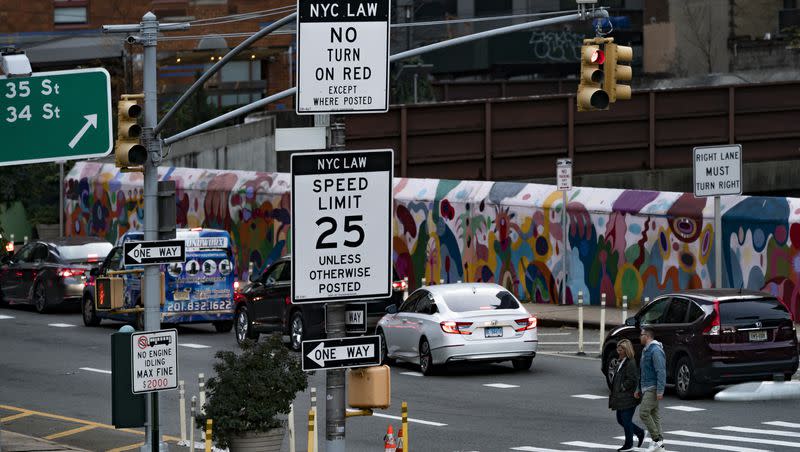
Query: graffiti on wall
pixel 620 242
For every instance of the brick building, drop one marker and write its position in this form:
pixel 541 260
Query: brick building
pixel 63 34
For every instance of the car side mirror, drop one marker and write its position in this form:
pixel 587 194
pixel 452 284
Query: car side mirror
pixel 391 309
pixel 94 272
pixel 253 278
pixel 631 321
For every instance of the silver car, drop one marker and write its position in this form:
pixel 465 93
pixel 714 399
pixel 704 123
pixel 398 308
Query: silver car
pixel 447 323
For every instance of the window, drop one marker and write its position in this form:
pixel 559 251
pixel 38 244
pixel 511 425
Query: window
pixel 481 301
pixel 40 253
pixel 695 312
pixel 426 305
pixel 677 311
pixel 114 260
pixel 70 12
pixel 274 273
pixel 87 252
pixel 24 254
pixel 411 302
pixel 748 311
pixel 655 312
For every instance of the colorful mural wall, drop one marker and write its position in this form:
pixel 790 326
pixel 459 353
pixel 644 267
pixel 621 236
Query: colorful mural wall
pixel 620 242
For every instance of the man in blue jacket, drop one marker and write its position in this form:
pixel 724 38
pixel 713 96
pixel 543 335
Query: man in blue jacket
pixel 651 386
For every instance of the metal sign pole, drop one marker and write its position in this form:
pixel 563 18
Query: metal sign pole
pixel 718 241
pixel 152 279
pixel 565 258
pixel 335 400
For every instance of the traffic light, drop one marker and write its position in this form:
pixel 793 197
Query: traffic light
pixel 591 93
pixel 129 151
pixel 616 72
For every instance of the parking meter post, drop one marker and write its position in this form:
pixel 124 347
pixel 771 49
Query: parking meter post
pixel 291 428
pixel 191 423
pixel 580 324
pixel 602 320
pixel 624 308
pixel 182 409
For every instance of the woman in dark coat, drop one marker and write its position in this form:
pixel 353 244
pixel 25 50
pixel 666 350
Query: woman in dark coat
pixel 621 400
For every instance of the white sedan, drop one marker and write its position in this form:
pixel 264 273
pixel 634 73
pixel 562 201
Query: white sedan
pixel 447 323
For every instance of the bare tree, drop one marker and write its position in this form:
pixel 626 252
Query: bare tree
pixel 700 29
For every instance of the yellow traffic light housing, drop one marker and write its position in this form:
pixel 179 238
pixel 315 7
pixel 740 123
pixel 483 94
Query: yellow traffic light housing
pixel 129 151
pixel 591 93
pixel 616 70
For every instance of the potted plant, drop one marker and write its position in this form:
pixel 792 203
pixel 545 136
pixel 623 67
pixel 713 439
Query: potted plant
pixel 250 395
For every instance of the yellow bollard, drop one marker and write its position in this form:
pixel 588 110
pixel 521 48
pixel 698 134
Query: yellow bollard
pixel 404 427
pixel 311 434
pixel 209 423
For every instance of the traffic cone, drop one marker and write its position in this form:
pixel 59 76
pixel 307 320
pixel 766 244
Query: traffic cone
pixel 400 441
pixel 389 443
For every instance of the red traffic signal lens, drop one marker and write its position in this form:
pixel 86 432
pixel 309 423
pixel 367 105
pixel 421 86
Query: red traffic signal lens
pixel 598 57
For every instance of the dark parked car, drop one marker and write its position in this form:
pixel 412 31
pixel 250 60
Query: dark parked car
pixel 265 306
pixel 713 337
pixel 49 273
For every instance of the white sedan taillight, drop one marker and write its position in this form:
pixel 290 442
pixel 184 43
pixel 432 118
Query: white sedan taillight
pixel 525 324
pixel 453 327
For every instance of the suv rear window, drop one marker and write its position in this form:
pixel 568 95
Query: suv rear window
pixel 735 311
pixel 86 252
pixel 481 302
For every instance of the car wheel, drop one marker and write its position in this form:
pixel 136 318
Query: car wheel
pixel 89 314
pixel 611 361
pixel 296 331
pixel 426 359
pixel 385 350
pixel 40 298
pixel 685 385
pixel 522 363
pixel 223 326
pixel 244 326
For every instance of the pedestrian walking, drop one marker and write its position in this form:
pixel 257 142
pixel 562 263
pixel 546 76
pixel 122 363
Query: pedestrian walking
pixel 624 384
pixel 651 386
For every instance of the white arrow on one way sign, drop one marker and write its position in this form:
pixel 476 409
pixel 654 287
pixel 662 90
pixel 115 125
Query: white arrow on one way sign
pixel 321 354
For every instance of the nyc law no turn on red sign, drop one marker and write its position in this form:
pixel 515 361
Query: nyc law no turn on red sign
pixel 343 56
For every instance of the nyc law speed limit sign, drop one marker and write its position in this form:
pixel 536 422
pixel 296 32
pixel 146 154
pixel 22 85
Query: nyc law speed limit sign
pixel 341 225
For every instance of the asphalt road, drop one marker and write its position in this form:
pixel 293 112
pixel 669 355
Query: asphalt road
pixel 54 366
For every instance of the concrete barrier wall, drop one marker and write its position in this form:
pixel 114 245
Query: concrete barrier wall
pixel 621 242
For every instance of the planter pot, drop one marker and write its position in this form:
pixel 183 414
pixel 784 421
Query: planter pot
pixel 269 441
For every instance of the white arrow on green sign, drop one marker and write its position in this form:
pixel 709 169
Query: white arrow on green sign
pixel 53 116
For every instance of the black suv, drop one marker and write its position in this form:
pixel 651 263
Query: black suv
pixel 265 306
pixel 713 337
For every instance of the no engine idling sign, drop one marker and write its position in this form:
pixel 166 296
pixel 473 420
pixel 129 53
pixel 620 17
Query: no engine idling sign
pixel 155 361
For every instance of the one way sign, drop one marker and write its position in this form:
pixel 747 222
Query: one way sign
pixel 153 253
pixel 358 351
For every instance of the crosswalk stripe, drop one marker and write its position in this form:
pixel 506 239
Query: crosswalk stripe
pixel 590 445
pixel 688 409
pixel 671 442
pixel 412 374
pixel 5 317
pixel 501 385
pixel 741 439
pixel 782 424
pixel 540 449
pixel 730 428
pixel 60 325
pixel 190 345
pixel 589 396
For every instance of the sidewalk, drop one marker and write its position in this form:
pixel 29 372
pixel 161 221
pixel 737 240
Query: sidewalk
pixel 551 315
pixel 15 442
pixel 556 316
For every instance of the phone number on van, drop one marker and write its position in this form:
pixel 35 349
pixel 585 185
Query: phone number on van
pixel 184 306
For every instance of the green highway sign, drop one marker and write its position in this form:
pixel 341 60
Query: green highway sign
pixel 53 116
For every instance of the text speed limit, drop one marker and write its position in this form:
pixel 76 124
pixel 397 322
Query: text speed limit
pixel 341 225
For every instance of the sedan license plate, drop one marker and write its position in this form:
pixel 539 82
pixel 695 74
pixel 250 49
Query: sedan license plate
pixel 758 336
pixel 495 331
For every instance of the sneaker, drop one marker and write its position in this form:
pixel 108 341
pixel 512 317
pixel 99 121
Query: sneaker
pixel 660 446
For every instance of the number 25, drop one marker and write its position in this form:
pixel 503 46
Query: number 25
pixel 348 227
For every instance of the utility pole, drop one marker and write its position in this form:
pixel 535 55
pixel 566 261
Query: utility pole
pixel 147 36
